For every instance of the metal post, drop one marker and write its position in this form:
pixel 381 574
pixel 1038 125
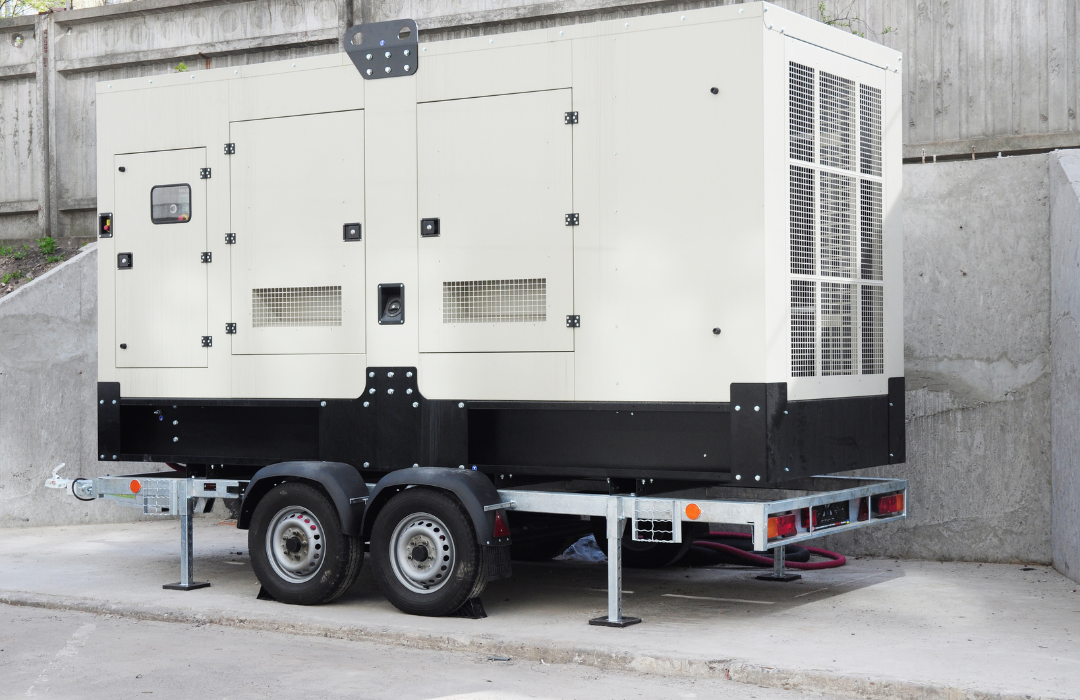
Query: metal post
pixel 615 527
pixel 778 573
pixel 187 552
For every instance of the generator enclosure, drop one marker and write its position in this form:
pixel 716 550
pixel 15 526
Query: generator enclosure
pixel 659 248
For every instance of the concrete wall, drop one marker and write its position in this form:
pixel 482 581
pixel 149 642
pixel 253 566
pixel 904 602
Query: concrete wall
pixel 1065 358
pixel 48 388
pixel 977 362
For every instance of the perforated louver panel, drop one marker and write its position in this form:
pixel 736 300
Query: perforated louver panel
pixel 495 301
pixel 869 130
pixel 803 328
pixel 838 340
pixel 296 306
pixel 870 229
pixel 872 325
pixel 836 205
pixel 801 202
pixel 836 117
pixel 801 111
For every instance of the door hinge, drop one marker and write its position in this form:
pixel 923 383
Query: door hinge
pixel 230 238
pixel 230 148
pixel 208 341
pixel 230 329
pixel 204 173
pixel 206 257
pixel 570 118
pixel 572 219
pixel 573 321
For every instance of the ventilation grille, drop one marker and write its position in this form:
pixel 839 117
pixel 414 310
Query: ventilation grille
pixel 295 307
pixel 801 112
pixel 495 301
pixel 835 235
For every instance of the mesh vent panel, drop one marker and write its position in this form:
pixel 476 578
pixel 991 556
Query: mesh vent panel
pixel 838 341
pixel 870 229
pixel 837 121
pixel 869 130
pixel 495 301
pixel 801 112
pixel 871 307
pixel 803 329
pixel 837 213
pixel 802 220
pixel 296 306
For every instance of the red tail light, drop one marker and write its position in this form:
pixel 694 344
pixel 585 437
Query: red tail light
pixel 782 526
pixel 501 530
pixel 864 509
pixel 888 505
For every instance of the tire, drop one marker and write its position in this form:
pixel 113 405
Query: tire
pixel 646 555
pixel 298 551
pixel 413 523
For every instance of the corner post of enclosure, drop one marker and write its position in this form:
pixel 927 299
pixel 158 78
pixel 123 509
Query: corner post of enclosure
pixel 616 524
pixel 187 550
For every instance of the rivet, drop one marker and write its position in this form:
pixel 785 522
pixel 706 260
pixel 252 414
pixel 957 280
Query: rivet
pixel 415 404
pixel 389 375
pixel 103 401
pixel 757 408
pixel 114 403
pixel 114 456
pixel 757 478
pixel 406 67
pixel 367 464
pixel 371 374
pixel 408 391
pixel 491 41
pixel 294 65
pixel 408 374
pixel 890 403
pixel 461 404
pixel 738 408
pixel 785 413
pixel 323 404
pixel 425 49
pixel 102 456
pixel 461 466
pixel 366 404
pixel 787 469
pixel 369 71
pixel 683 18
pixel 371 390
pixel 890 454
pixel 627 25
pixel 176 422
pixel 406 52
pixel 151 82
pixel 390 390
pixel 110 87
pixel 560 34
pixel 738 477
pixel 369 57
pixel 387 69
pixel 415 466
pixel 176 439
pixel 740 10
pixel 236 72
pixel 386 55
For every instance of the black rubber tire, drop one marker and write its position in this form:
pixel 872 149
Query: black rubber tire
pixel 342 555
pixel 646 555
pixel 464 582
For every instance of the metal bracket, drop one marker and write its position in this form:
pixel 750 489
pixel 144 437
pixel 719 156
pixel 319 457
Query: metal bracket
pixel 384 49
pixel 500 506
pixel 230 149
pixel 230 238
pixel 204 173
pixel 208 341
pixel 570 118
pixel 230 329
pixel 573 321
pixel 206 257
pixel 572 219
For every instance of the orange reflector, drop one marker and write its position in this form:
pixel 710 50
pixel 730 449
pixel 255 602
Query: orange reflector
pixel 693 512
pixel 135 486
pixel 782 526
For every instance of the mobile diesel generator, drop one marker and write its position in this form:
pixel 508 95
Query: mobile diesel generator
pixel 449 301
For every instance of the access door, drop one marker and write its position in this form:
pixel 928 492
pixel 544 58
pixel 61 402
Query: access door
pixel 159 235
pixel 496 173
pixel 298 222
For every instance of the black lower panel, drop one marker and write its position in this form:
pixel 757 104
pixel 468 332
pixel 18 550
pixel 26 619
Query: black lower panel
pixel 828 436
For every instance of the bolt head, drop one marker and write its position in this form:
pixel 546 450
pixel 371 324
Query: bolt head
pixel 408 374
pixel 390 390
pixel 176 439
pixel 738 408
pixel 757 408
pixel 461 404
pixel 367 464
pixel 366 404
pixel 738 477
pixel 390 375
pixel 415 404
pixel 757 477
pixel 103 401
pixel 371 390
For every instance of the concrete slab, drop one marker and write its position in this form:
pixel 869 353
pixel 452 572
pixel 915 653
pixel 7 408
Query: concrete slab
pixel 874 628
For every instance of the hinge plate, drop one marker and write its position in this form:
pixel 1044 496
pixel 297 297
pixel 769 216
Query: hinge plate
pixel 208 341
pixel 204 173
pixel 570 118
pixel 230 148
pixel 206 257
pixel 572 219
pixel 230 238
pixel 384 49
pixel 230 329
pixel 573 321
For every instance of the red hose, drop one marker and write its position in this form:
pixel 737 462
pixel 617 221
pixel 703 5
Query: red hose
pixel 835 559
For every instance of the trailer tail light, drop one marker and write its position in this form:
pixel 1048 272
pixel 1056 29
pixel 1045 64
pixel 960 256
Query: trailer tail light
pixel 864 509
pixel 888 505
pixel 500 529
pixel 782 526
pixel 135 486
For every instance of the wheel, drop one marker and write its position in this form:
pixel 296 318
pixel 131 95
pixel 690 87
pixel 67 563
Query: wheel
pixel 646 555
pixel 298 550
pixel 424 550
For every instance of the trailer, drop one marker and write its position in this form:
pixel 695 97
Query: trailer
pixel 454 302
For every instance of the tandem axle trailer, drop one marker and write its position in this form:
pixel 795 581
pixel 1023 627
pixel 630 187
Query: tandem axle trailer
pixel 807 510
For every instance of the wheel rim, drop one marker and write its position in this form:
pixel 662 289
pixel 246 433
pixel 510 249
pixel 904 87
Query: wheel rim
pixel 422 553
pixel 294 544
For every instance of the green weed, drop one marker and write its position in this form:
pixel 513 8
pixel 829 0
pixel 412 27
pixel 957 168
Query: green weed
pixel 47 245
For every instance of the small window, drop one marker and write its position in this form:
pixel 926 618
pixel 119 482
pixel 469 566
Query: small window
pixel 170 204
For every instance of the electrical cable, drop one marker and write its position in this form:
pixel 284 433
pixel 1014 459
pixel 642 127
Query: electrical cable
pixel 835 559
pixel 75 481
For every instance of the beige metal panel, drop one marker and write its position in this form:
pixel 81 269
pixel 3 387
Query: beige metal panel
pixel 161 301
pixel 775 156
pixel 297 286
pixel 893 230
pixel 393 225
pixel 294 65
pixel 497 172
pixel 511 376
pixel 106 254
pixel 680 244
pixel 278 94
pixel 811 31
pixel 299 376
pixel 493 70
